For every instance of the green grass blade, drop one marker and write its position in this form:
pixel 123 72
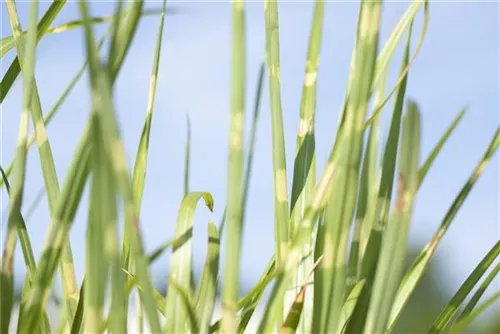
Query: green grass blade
pixel 278 137
pixel 446 316
pixel 140 166
pixel 231 281
pixel 101 83
pixel 101 205
pixel 340 209
pixel 479 293
pixel 395 242
pixel 181 262
pixel 417 269
pixel 123 35
pixel 76 326
pixel 48 171
pixel 304 172
pixel 402 76
pixel 186 305
pixel 207 288
pixel 58 233
pixel 439 146
pixel 253 136
pixel 14 68
pixel 380 216
pixel 293 316
pixel 15 221
pixel 367 199
pixel 460 325
pixel 350 304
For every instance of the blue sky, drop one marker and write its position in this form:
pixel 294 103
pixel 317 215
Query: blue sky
pixel 457 66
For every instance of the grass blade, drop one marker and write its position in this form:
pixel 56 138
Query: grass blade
pixel 460 325
pixel 181 262
pixel 380 215
pixel 479 293
pixel 14 68
pixel 393 251
pixel 15 220
pixel 58 234
pixel 439 146
pixel 50 115
pixel 304 172
pixel 48 171
pixel 182 292
pixel 231 281
pixel 340 209
pixel 446 316
pixel 278 137
pixel 101 84
pixel 7 43
pixel 417 269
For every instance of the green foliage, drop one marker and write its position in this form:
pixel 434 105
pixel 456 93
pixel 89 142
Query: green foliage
pixel 323 279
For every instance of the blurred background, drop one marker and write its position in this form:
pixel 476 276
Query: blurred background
pixel 457 66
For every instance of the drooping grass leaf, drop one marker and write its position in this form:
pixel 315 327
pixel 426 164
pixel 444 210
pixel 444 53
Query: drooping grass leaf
pixel 181 262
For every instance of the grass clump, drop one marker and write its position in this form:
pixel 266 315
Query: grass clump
pixel 324 278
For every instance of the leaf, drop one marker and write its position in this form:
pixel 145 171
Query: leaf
pixel 181 261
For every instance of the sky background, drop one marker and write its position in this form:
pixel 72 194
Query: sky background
pixel 457 66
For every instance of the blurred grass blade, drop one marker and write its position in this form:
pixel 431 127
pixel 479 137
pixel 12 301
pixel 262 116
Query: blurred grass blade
pixel 15 221
pixel 304 172
pixel 439 146
pixel 395 241
pixel 446 316
pixel 14 68
pixel 101 83
pixel 461 324
pixel 417 269
pixel 123 34
pixel 231 280
pixel 181 262
pixel 64 214
pixel 207 288
pixel 7 43
pixel 50 115
pixel 48 170
pixel 479 293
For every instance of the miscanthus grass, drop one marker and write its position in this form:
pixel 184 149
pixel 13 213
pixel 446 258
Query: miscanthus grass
pixel 323 278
